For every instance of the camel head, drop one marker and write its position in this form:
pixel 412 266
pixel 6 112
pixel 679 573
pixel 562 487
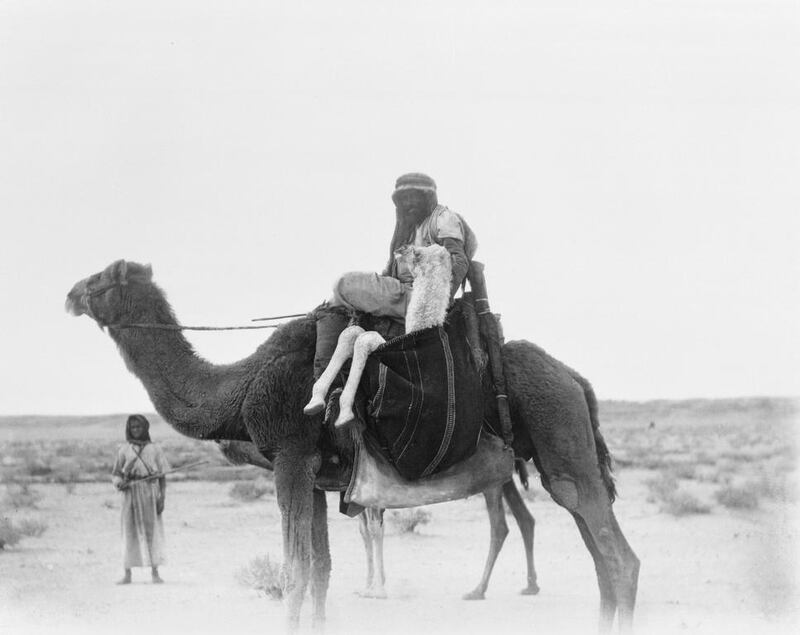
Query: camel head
pixel 106 296
pixel 422 260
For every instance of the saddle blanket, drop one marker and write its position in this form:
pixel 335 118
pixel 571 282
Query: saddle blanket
pixel 424 399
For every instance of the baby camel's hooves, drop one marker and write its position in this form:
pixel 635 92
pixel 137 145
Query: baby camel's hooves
pixel 373 594
pixel 314 408
pixel 343 419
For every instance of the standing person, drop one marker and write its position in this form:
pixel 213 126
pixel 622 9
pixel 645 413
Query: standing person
pixel 421 221
pixel 143 500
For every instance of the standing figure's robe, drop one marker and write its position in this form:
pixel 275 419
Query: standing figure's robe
pixel 142 528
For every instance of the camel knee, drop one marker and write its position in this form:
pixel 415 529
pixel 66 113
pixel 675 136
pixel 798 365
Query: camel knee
pixel 564 492
pixel 367 342
pixel 500 531
pixel 347 339
pixel 527 525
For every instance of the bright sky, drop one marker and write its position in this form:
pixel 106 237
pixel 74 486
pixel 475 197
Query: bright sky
pixel 630 169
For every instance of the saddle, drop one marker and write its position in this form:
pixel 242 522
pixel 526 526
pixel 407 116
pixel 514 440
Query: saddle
pixel 426 432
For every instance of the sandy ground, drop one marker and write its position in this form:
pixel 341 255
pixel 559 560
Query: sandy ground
pixel 726 571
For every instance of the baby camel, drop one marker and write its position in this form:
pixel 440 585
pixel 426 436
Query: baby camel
pixel 430 296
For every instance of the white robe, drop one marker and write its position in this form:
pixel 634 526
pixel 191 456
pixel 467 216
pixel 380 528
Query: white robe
pixel 142 528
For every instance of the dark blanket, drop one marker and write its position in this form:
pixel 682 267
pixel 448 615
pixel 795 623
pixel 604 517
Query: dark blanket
pixel 425 404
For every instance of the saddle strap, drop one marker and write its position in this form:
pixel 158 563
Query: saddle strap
pixel 490 330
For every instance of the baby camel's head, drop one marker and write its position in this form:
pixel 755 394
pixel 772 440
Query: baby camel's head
pixel 422 261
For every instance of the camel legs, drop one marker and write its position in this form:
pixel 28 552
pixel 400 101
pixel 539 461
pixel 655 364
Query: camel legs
pixel 294 483
pixel 526 524
pixel 370 523
pixel 343 352
pixel 498 532
pixel 366 342
pixel 615 562
pixel 320 559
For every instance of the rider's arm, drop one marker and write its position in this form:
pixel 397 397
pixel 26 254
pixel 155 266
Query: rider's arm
pixel 459 260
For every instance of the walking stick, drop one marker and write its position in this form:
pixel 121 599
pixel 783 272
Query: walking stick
pixel 491 333
pixel 162 474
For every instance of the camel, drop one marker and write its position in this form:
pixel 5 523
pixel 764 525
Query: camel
pixel 431 269
pixel 260 399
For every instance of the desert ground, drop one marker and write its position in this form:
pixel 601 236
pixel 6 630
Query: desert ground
pixel 707 499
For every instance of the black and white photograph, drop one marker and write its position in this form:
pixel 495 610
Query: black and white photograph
pixel 448 317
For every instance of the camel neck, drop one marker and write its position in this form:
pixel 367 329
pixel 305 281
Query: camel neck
pixel 199 399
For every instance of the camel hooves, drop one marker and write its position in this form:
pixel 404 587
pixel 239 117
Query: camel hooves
pixel 474 595
pixel 531 589
pixel 314 408
pixel 344 419
pixel 373 594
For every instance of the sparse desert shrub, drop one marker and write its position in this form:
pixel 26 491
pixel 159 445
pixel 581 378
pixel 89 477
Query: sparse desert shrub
pixel 247 491
pixel 742 456
pixel 22 496
pixel 68 478
pixel 779 487
pixel 40 469
pixel 30 527
pixel 683 503
pixel 662 487
pixel 9 533
pixel 665 490
pixel 650 462
pixel 264 575
pixel 406 521
pixel 683 470
pixel 737 496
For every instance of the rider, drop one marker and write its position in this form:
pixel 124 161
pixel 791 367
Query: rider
pixel 421 221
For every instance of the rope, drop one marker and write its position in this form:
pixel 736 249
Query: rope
pixel 278 317
pixel 179 327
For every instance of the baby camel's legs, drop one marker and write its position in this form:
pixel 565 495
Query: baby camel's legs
pixel 367 342
pixel 344 349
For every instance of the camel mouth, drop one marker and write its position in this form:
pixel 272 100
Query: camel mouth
pixel 76 302
pixel 74 307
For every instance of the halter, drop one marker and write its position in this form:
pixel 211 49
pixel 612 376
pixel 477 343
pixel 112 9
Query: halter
pixel 88 295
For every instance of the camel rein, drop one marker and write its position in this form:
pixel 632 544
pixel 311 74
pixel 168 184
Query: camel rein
pixel 179 327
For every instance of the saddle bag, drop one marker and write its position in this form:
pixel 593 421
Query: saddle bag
pixel 424 402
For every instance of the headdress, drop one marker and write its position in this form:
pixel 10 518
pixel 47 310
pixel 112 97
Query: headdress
pixel 414 181
pixel 144 439
pixel 404 227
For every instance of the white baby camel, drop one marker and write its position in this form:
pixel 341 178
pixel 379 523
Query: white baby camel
pixel 430 296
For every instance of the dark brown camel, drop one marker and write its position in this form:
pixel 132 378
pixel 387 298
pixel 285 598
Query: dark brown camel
pixel 261 398
pixel 371 527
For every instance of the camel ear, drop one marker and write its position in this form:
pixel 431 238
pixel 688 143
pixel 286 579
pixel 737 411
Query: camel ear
pixel 119 271
pixel 148 272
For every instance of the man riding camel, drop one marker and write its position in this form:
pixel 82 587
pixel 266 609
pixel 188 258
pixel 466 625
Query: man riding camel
pixel 421 221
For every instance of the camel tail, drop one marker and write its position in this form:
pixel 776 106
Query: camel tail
pixel 522 471
pixel 603 455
